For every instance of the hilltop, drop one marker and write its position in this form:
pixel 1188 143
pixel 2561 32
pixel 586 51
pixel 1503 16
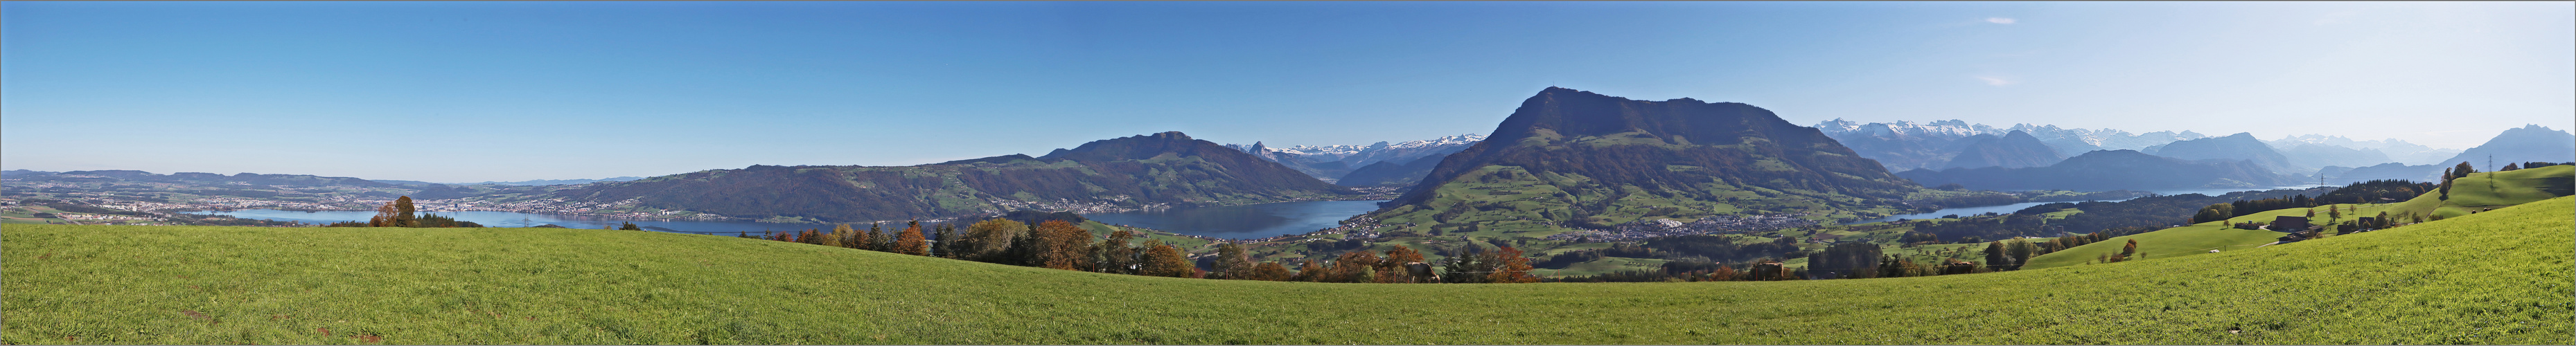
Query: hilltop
pixel 2237 147
pixel 1146 171
pixel 1569 158
pixel 2013 150
pixel 2500 279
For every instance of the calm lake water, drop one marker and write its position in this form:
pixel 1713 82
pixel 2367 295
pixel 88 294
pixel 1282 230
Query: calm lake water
pixel 2009 208
pixel 1235 222
pixel 1244 221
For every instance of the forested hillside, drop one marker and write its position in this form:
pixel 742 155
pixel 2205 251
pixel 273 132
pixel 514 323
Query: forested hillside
pixel 1163 169
pixel 1569 158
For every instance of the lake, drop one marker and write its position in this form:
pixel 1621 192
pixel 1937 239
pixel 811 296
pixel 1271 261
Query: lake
pixel 1244 221
pixel 2009 208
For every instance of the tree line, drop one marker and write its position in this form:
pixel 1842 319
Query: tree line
pixel 401 213
pixel 1059 244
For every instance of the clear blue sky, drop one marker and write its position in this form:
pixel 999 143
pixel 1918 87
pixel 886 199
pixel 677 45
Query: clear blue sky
pixel 476 91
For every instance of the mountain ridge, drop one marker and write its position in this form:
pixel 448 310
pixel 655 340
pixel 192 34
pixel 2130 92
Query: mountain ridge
pixel 1570 158
pixel 1144 171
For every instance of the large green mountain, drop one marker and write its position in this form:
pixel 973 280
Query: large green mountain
pixel 1168 168
pixel 1574 159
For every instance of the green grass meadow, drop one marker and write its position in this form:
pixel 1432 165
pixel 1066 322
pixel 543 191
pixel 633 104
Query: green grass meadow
pixel 2499 277
pixel 2166 243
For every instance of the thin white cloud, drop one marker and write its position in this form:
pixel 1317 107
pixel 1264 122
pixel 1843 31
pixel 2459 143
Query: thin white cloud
pixel 1999 20
pixel 1997 81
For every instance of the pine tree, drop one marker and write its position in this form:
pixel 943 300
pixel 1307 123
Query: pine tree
pixel 945 241
pixel 910 242
pixel 1468 265
pixel 878 240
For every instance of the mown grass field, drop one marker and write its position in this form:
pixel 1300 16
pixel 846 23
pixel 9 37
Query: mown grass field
pixel 2167 243
pixel 2497 277
pixel 2486 190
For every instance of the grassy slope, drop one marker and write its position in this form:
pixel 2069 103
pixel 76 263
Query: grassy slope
pixel 2167 243
pixel 2473 192
pixel 2468 194
pixel 2495 277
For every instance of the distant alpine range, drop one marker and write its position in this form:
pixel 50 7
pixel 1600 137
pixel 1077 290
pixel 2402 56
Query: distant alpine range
pixel 1379 164
pixel 1981 156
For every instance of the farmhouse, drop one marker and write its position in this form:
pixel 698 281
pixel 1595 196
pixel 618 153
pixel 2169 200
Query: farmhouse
pixel 2290 224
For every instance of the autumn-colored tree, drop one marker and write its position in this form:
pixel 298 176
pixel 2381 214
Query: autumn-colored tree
pixel 2128 250
pixel 1514 268
pixel 1954 266
pixel 1353 266
pixel 1722 273
pixel 1269 271
pixel 403 212
pixel 911 242
pixel 1309 270
pixel 384 216
pixel 849 237
pixel 832 239
pixel 989 240
pixel 1113 256
pixel 1392 268
pixel 1062 245
pixel 1165 260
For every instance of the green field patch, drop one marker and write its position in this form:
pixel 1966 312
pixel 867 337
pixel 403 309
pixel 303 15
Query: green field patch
pixel 2488 190
pixel 2497 277
pixel 2166 243
pixel 1603 266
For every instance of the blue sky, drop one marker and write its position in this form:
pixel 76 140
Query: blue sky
pixel 477 91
